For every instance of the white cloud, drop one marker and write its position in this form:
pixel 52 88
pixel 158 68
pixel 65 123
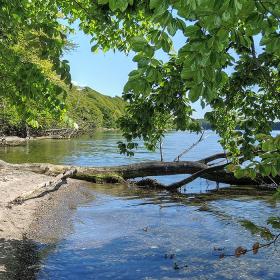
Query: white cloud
pixel 77 84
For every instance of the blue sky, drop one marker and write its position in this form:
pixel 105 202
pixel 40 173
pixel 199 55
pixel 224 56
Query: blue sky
pixel 108 72
pixel 105 72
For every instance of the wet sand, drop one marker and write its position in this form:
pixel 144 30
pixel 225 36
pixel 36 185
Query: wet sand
pixel 41 219
pixel 46 219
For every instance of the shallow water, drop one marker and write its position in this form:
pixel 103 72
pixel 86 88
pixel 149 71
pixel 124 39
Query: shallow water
pixel 127 233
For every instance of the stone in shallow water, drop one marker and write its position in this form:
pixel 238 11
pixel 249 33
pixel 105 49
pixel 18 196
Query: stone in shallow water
pixel 12 141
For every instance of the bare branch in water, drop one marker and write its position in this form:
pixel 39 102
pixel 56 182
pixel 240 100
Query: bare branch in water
pixel 160 149
pixel 190 147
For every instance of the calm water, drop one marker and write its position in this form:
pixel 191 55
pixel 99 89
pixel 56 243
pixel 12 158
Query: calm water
pixel 125 233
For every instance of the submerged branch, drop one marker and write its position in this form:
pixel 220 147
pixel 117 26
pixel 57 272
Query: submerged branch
pixel 239 251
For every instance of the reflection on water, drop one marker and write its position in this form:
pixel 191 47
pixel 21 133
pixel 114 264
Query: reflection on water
pixel 101 149
pixel 133 234
pixel 128 233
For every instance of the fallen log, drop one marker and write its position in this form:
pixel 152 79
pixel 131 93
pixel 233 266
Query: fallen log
pixel 118 174
pixel 213 157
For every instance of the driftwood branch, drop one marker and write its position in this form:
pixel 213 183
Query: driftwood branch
pixel 199 173
pixel 190 147
pixel 44 188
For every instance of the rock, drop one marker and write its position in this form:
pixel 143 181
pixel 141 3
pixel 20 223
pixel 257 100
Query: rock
pixel 12 141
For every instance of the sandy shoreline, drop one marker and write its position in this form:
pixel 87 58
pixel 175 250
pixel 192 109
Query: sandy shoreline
pixel 46 219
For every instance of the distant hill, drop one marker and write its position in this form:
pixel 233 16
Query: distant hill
pixel 91 109
pixel 206 125
pixel 85 106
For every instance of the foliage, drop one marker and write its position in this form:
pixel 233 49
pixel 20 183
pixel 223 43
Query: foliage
pixel 264 232
pixel 149 114
pixel 30 32
pixel 34 78
pixel 90 109
pixel 229 60
pixel 86 107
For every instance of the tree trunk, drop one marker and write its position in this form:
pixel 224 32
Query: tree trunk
pixel 120 173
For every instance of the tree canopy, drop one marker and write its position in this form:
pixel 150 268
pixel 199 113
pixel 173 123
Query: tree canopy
pixel 85 107
pixel 32 41
pixel 229 60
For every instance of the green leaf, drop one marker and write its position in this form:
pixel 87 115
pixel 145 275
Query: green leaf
pixel 267 146
pixel 217 21
pixel 187 74
pixel 135 74
pixel 226 16
pixel 149 51
pixel 155 4
pixel 266 170
pixel 113 5
pixel 222 34
pixel 160 9
pixel 153 75
pixel 94 48
pixel 138 43
pixel 239 173
pixel 122 5
pixel 118 4
pixel 166 45
pixel 274 171
pixel 191 30
pixel 196 92
pixel 172 27
pixel 103 2
pixel 237 5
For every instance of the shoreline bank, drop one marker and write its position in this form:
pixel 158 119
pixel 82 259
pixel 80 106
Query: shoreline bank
pixel 19 221
pixel 12 140
pixel 42 220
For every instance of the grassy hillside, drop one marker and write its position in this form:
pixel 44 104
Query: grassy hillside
pixel 22 106
pixel 85 106
pixel 90 109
